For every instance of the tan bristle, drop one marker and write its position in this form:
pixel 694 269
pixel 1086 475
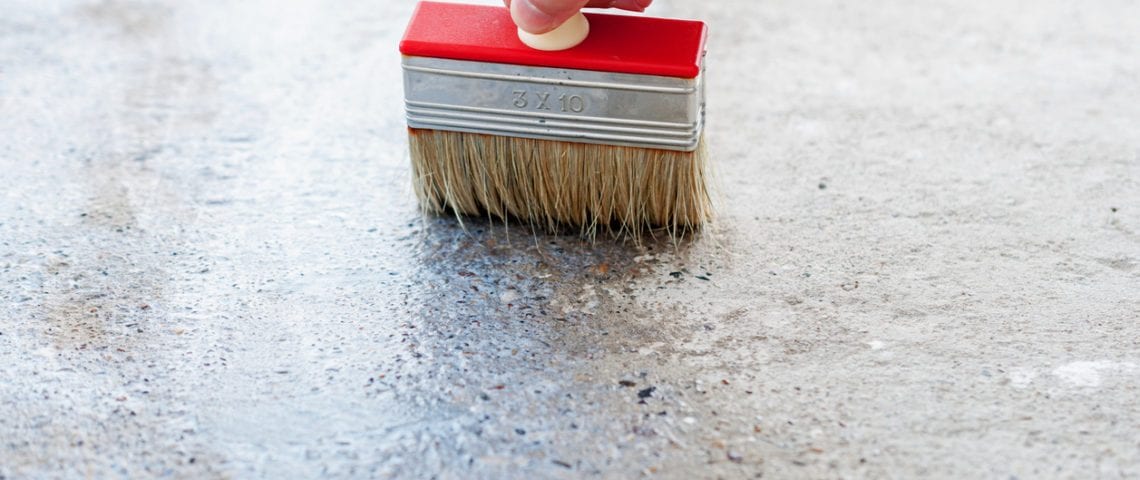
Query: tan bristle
pixel 555 185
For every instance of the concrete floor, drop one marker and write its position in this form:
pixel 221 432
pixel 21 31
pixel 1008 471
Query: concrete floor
pixel 927 262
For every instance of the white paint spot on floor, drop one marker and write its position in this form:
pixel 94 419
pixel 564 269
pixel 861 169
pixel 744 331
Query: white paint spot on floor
pixel 1090 374
pixel 1021 377
pixel 651 348
pixel 809 129
pixel 876 344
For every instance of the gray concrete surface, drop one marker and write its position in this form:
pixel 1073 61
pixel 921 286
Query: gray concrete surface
pixel 927 263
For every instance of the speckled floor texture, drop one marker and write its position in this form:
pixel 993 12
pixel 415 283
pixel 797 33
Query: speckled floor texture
pixel 927 263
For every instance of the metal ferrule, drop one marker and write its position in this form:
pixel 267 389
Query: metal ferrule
pixel 554 104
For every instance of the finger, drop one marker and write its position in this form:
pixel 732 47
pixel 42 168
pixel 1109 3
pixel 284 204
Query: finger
pixel 541 16
pixel 634 5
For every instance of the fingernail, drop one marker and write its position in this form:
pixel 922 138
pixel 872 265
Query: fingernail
pixel 634 5
pixel 528 17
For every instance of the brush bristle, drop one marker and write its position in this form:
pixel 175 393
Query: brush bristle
pixel 557 185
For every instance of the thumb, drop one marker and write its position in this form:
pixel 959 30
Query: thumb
pixel 541 16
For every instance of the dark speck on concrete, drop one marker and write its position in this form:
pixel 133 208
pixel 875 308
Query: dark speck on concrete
pixel 627 383
pixel 520 431
pixel 646 393
pixel 675 274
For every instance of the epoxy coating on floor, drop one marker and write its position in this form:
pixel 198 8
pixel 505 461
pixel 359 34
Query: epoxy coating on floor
pixel 927 262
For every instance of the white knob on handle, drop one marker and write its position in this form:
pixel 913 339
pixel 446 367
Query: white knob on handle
pixel 568 35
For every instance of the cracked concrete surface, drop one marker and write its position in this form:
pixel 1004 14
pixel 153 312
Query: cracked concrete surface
pixel 927 262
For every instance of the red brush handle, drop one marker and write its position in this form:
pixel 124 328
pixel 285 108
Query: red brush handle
pixel 617 43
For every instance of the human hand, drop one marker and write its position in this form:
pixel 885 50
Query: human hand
pixel 541 16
